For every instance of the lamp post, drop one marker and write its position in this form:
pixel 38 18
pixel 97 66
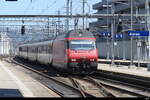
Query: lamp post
pixel 112 30
pixel 83 13
pixel 113 25
pixel 107 36
pixel 131 4
pixel 113 33
pixel 67 13
pixel 147 23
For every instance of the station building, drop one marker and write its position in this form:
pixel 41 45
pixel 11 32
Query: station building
pixel 122 25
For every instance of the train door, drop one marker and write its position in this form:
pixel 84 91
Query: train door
pixel 27 53
pixel 60 53
pixel 19 51
pixel 66 53
pixel 50 52
pixel 55 53
pixel 63 53
pixel 36 52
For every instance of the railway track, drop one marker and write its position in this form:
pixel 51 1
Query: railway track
pixel 67 90
pixel 59 87
pixel 132 84
pixel 95 86
pixel 90 86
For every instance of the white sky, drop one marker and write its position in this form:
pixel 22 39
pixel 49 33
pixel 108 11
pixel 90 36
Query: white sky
pixel 41 6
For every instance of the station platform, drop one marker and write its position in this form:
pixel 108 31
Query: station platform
pixel 122 69
pixel 124 62
pixel 16 82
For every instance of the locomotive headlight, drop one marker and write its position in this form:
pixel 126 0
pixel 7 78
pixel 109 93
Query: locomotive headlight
pixel 92 59
pixel 73 60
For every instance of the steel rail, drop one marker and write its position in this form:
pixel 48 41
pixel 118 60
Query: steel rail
pixel 76 90
pixel 120 88
pixel 130 81
pixel 104 85
pixel 138 82
pixel 105 92
pixel 78 86
pixel 83 93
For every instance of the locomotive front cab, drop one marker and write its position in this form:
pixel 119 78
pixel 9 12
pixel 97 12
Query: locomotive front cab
pixel 83 55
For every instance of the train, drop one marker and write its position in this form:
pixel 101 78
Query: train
pixel 74 51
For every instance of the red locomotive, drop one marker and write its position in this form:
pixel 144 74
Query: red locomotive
pixel 74 51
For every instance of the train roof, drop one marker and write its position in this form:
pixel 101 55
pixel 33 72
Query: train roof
pixel 37 43
pixel 71 34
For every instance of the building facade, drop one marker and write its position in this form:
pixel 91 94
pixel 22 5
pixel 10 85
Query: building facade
pixel 122 25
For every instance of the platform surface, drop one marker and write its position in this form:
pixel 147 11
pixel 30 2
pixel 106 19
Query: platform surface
pixel 16 82
pixel 137 71
pixel 125 61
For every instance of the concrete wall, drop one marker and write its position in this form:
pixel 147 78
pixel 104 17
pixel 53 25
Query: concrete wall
pixel 122 50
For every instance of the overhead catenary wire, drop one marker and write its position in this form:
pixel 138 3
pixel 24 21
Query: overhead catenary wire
pixel 51 5
pixel 28 7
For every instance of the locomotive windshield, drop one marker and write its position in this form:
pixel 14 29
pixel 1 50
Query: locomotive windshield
pixel 82 45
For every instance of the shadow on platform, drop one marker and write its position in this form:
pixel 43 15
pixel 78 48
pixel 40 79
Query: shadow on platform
pixel 8 93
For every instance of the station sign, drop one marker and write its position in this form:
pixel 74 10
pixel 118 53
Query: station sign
pixel 106 34
pixel 119 36
pixel 138 33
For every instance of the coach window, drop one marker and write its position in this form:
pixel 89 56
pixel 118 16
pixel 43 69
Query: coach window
pixel 34 50
pixel 50 48
pixel 45 49
pixel 26 49
pixel 40 49
pixel 23 49
pixel 49 51
pixel 29 49
pixel 37 49
pixel 20 49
